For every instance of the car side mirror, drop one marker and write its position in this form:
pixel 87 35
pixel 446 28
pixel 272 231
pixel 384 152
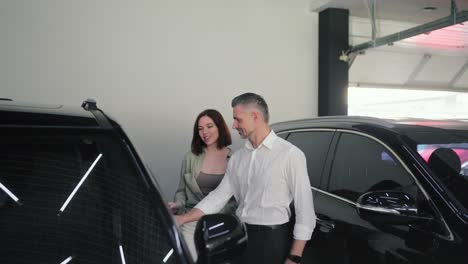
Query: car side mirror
pixel 219 238
pixel 389 207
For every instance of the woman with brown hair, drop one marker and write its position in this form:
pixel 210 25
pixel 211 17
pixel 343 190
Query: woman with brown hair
pixel 203 168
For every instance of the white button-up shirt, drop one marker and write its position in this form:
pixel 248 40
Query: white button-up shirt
pixel 264 181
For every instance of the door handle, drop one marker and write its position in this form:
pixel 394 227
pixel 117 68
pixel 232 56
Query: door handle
pixel 325 225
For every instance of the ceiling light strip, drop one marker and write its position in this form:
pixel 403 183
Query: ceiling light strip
pixel 168 255
pixel 66 260
pixel 122 257
pixel 5 189
pixel 80 183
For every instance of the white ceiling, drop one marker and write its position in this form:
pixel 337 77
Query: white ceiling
pixel 437 60
pixel 452 39
pixel 397 10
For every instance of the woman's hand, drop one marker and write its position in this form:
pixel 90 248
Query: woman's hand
pixel 172 207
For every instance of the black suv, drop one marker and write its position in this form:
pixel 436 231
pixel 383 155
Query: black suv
pixel 385 191
pixel 74 190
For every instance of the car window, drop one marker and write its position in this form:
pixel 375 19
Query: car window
pixel 77 200
pixel 315 145
pixel 446 154
pixel 283 135
pixel 362 165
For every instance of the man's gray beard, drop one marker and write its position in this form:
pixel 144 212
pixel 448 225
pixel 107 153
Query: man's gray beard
pixel 242 135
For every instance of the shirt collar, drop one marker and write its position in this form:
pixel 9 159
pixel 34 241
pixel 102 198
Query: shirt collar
pixel 267 142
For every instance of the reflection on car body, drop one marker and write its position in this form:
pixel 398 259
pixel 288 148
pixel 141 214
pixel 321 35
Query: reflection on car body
pixel 461 149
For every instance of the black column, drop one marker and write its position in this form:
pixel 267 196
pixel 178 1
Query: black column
pixel 333 73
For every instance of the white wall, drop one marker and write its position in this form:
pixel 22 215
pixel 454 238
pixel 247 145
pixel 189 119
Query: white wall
pixel 155 64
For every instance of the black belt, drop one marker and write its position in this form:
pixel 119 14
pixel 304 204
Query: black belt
pixel 264 227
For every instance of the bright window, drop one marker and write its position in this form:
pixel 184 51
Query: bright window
pixel 397 103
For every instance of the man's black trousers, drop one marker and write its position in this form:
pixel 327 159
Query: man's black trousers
pixel 267 245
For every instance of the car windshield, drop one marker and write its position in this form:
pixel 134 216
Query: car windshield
pixel 446 153
pixel 78 199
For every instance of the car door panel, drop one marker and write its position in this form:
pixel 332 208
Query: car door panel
pixel 353 239
pixel 315 144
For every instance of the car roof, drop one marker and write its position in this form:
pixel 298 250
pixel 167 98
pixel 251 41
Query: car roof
pixel 359 122
pixel 13 113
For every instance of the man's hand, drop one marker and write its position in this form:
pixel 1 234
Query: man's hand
pixel 297 248
pixel 288 261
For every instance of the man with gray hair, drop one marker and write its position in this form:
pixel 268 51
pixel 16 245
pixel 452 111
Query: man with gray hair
pixel 264 176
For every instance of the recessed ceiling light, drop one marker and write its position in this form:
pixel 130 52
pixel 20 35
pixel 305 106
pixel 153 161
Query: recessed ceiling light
pixel 429 8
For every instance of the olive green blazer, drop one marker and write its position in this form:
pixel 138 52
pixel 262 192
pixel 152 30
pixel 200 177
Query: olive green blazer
pixel 188 193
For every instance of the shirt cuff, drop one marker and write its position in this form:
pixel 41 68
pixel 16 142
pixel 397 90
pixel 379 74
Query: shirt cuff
pixel 204 207
pixel 302 232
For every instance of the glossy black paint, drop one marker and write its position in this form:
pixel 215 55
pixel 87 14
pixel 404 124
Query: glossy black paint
pixel 385 207
pixel 49 120
pixel 215 234
pixel 27 114
pixel 348 232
